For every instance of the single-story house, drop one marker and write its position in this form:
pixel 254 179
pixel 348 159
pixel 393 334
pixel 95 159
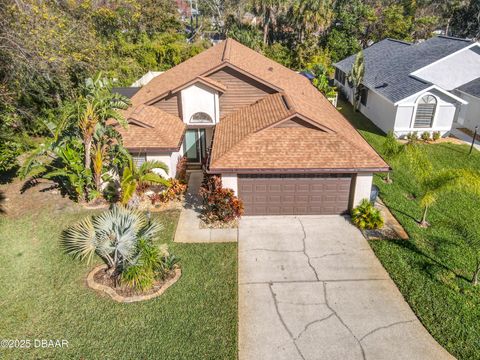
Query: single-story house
pixel 417 87
pixel 266 130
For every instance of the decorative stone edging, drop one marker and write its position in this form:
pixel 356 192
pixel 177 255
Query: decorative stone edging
pixel 128 299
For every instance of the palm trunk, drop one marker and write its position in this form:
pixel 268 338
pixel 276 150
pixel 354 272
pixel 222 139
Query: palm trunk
pixel 424 217
pixel 476 273
pixel 87 160
pixel 266 25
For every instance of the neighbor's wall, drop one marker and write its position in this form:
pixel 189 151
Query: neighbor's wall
pixel 471 114
pixel 230 181
pixel 380 111
pixel 362 188
pixel 444 115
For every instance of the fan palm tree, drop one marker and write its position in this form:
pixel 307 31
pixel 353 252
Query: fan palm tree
pixel 267 8
pixel 113 236
pixel 134 176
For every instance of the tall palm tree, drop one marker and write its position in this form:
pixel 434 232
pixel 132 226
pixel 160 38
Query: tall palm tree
pixel 312 15
pixel 267 9
pixel 355 78
pixel 134 176
pixel 94 110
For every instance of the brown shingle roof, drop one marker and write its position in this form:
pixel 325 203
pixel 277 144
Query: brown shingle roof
pixel 152 128
pixel 304 100
pixel 252 138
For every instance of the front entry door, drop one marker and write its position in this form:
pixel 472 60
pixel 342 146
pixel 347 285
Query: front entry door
pixel 195 145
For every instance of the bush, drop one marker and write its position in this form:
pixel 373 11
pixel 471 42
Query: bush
pixel 413 136
pixel 153 263
pixel 174 192
pixel 366 217
pixel 182 169
pixel 425 136
pixel 436 135
pixel 219 204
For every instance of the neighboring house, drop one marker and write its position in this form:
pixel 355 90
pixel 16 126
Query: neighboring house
pixel 132 90
pixel 417 87
pixel 274 139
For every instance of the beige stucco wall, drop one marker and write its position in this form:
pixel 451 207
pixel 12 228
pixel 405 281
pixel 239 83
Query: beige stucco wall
pixel 230 181
pixel 170 159
pixel 362 187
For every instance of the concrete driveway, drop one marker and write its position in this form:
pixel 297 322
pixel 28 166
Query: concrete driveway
pixel 312 288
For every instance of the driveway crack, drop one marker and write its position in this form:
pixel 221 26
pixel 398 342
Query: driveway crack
pixel 341 320
pixel 311 323
pixel 275 302
pixel 385 327
pixel 305 250
pixel 275 250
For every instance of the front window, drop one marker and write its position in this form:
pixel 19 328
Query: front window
pixel 363 95
pixel 340 76
pixel 201 118
pixel 139 158
pixel 425 112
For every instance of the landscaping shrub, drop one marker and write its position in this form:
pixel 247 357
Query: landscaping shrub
pixel 153 263
pixel 175 191
pixel 413 136
pixel 182 169
pixel 220 204
pixel 436 135
pixel 425 136
pixel 366 217
pixel 123 239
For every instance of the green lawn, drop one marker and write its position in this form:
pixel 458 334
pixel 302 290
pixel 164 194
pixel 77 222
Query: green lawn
pixel 43 296
pixel 433 270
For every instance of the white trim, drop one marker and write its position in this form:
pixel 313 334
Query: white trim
pixel 415 107
pixel 444 58
pixel 460 100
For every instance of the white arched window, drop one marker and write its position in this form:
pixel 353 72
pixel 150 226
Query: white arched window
pixel 425 111
pixel 201 118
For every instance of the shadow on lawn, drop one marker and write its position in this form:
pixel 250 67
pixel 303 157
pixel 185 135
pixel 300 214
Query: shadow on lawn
pixel 7 177
pixel 427 262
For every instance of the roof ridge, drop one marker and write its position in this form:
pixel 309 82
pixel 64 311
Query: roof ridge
pixel 455 38
pixel 396 40
pixel 226 50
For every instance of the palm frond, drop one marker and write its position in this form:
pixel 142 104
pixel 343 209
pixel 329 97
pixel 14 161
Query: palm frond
pixel 79 240
pixel 150 165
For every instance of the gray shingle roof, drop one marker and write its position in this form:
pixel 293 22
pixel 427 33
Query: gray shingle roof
pixel 472 87
pixel 126 91
pixel 389 63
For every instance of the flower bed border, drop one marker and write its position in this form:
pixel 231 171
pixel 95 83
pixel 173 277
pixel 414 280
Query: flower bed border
pixel 127 299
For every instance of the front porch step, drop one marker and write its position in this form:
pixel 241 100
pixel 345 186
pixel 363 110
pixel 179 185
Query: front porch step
pixel 194 167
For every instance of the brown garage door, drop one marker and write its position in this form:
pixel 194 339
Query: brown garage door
pixel 294 194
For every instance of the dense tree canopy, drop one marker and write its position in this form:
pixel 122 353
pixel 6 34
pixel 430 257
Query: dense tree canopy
pixel 49 47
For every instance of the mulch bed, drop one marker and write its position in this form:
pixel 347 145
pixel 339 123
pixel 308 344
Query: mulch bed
pixel 219 225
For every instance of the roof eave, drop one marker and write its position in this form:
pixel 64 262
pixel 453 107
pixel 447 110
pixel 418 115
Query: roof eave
pixel 353 170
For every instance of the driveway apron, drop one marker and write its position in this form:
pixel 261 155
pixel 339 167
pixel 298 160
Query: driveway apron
pixel 311 288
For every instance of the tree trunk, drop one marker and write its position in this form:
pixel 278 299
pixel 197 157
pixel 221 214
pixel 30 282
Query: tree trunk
pixel 476 274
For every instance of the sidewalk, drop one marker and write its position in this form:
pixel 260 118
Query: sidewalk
pixel 188 229
pixel 467 139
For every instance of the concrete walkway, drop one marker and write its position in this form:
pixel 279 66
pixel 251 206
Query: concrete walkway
pixel 467 139
pixel 188 228
pixel 312 288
